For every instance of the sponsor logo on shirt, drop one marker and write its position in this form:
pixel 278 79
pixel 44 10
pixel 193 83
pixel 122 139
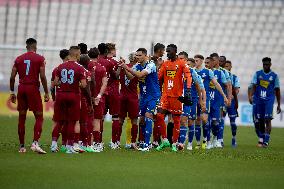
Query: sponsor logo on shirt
pixel 171 73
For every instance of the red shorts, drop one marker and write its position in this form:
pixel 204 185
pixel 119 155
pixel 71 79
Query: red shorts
pixel 67 106
pixel 171 104
pixel 130 105
pixel 28 97
pixel 112 104
pixel 99 109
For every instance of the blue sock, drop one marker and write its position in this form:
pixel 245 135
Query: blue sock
pixel 266 138
pixel 221 129
pixel 190 133
pixel 148 130
pixel 233 126
pixel 215 128
pixel 182 134
pixel 205 129
pixel 197 133
pixel 256 126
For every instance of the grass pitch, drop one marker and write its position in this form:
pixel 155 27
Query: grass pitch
pixel 243 167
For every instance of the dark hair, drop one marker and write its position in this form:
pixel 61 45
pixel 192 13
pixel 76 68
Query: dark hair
pixel 94 52
pixel 143 50
pixel 214 55
pixel 102 48
pixel 30 41
pixel 173 46
pixel 191 60
pixel 199 56
pixel 209 57
pixel 83 48
pixel 184 54
pixel 84 59
pixel 159 46
pixel 63 53
pixel 266 59
pixel 223 57
pixel 228 62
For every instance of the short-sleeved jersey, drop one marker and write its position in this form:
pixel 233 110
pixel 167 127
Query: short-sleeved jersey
pixel 98 72
pixel 207 76
pixel 113 82
pixel 70 73
pixel 195 79
pixel 220 76
pixel 149 85
pixel 53 74
pixel 128 87
pixel 227 75
pixel 172 74
pixel 265 85
pixel 235 81
pixel 28 67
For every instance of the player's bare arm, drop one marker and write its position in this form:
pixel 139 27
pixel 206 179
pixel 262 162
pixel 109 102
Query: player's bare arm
pixel 235 93
pixel 12 84
pixel 137 74
pixel 102 91
pixel 219 88
pixel 44 83
pixel 278 98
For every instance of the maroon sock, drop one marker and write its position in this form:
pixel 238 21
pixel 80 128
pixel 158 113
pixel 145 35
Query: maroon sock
pixel 21 128
pixel 56 131
pixel 134 132
pixel 76 137
pixel 70 132
pixel 64 133
pixel 102 130
pixel 38 126
pixel 141 134
pixel 96 135
pixel 156 133
pixel 84 133
pixel 115 130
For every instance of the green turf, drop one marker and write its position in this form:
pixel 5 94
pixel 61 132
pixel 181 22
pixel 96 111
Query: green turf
pixel 243 167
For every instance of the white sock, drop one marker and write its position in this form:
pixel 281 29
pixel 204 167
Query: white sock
pixel 53 143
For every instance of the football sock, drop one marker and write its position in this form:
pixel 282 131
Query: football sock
pixel 148 130
pixel 233 126
pixel 115 129
pixel 141 132
pixel 176 129
pixel 221 129
pixel 156 132
pixel 205 127
pixel 70 132
pixel 21 128
pixel 134 132
pixel 215 128
pixel 182 134
pixel 38 126
pixel 266 138
pixel 170 128
pixel 198 133
pixel 161 122
pixel 56 131
pixel 190 133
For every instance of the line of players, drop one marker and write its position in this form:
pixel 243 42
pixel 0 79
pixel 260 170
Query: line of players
pixel 88 84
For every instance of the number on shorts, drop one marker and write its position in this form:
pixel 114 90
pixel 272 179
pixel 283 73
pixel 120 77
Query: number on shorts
pixel 64 76
pixel 212 94
pixel 28 62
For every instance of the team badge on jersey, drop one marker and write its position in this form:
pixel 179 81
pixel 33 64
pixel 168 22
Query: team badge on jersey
pixel 171 73
pixel 270 78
